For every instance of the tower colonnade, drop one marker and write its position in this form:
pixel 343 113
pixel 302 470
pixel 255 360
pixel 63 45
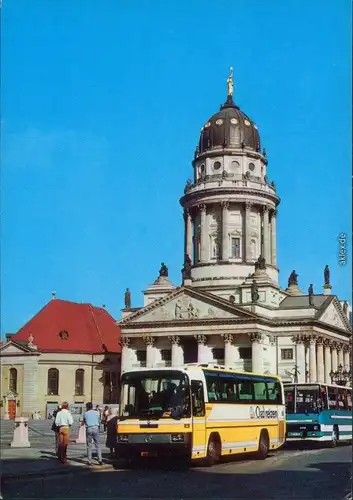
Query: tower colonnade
pixel 211 235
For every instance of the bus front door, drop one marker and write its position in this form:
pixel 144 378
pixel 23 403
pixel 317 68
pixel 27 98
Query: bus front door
pixel 199 444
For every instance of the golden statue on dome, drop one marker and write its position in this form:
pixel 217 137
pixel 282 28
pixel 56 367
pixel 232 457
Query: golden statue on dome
pixel 230 82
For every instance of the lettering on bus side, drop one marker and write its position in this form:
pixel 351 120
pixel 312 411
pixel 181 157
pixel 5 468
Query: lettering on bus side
pixel 262 412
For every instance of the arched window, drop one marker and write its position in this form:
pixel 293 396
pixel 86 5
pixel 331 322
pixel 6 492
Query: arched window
pixel 79 382
pixel 13 380
pixel 53 382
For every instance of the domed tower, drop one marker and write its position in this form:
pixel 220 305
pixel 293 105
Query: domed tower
pixel 230 206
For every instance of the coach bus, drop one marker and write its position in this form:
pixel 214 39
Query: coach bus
pixel 318 412
pixel 199 412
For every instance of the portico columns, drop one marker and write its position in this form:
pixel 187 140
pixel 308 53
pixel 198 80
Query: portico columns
pixel 273 238
pixel 203 253
pixel 188 233
pixel 225 241
pixel 334 357
pixel 300 359
pixel 340 355
pixel 246 229
pixel 229 350
pixel 150 361
pixel 266 253
pixel 256 352
pixel 177 351
pixel 125 354
pixel 346 357
pixel 202 350
pixel 312 359
pixel 320 360
pixel 327 356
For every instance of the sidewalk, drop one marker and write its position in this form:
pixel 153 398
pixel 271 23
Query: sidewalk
pixel 24 462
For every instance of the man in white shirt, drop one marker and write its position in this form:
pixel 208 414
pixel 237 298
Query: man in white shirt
pixel 63 422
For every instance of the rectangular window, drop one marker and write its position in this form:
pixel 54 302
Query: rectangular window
pixel 260 392
pixel 274 393
pixel 286 354
pixel 235 248
pixel 245 352
pixel 228 388
pixel 212 383
pixel 245 390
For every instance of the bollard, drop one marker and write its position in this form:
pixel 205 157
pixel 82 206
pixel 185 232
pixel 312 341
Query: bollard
pixel 81 434
pixel 20 435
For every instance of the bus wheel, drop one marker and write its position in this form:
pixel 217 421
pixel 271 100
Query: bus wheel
pixel 213 451
pixel 264 446
pixel 334 437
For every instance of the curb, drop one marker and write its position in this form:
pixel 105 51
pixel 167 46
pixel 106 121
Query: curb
pixel 58 472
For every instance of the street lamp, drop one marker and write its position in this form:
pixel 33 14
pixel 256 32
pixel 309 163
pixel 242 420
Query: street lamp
pixel 341 376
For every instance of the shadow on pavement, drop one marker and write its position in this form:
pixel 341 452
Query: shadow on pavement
pixel 322 480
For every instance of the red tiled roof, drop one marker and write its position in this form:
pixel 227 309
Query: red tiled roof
pixel 90 329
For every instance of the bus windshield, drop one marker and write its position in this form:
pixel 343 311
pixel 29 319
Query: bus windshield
pixel 305 398
pixel 154 395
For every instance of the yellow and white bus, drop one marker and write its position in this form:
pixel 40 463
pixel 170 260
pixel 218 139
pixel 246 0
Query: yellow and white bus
pixel 199 412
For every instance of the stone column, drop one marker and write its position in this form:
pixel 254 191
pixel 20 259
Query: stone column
pixel 312 360
pixel 334 360
pixel 256 352
pixel 320 360
pixel 225 239
pixel 188 233
pixel 247 232
pixel 125 354
pixel 266 233
pixel 229 350
pixel 300 358
pixel 272 356
pixel 177 351
pixel 346 357
pixel 150 360
pixel 340 355
pixel 202 351
pixel 204 246
pixel 273 238
pixel 327 356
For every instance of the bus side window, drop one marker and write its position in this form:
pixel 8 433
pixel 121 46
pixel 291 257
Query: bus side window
pixel 260 391
pixel 245 390
pixel 349 399
pixel 198 400
pixel 332 398
pixel 274 393
pixel 342 399
pixel 228 389
pixel 212 383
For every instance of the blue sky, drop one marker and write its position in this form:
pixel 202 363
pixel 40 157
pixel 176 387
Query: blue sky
pixel 102 105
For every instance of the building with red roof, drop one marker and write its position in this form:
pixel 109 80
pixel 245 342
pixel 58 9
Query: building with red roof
pixel 67 351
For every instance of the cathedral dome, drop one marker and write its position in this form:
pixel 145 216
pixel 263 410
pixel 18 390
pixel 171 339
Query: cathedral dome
pixel 230 127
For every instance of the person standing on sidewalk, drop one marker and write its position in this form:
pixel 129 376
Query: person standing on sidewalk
pixel 63 422
pixel 55 429
pixel 91 420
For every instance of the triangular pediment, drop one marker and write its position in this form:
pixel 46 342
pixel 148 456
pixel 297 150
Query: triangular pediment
pixel 13 348
pixel 333 315
pixel 187 304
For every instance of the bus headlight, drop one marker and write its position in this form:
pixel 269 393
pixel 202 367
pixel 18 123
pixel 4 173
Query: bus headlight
pixel 178 438
pixel 123 438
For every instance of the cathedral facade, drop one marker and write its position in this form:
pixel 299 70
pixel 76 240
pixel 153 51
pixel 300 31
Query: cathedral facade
pixel 230 309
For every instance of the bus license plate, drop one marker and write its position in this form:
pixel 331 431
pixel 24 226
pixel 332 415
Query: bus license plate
pixel 148 454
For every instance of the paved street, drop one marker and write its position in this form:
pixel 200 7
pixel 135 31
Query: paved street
pixel 286 474
pixel 40 457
